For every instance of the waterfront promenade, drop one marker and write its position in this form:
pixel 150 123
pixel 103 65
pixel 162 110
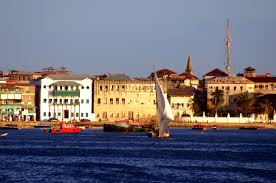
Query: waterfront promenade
pixel 99 124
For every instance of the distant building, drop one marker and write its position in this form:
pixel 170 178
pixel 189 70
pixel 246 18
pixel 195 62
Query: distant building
pixel 118 97
pixel 66 98
pixel 17 102
pixel 231 87
pixel 22 75
pixel 185 79
pixel 214 73
pixel 180 98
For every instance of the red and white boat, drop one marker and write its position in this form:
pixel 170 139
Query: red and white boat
pixel 66 128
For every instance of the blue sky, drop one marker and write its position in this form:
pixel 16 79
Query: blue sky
pixel 127 36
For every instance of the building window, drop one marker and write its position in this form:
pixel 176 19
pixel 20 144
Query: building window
pixel 123 101
pixel 65 101
pixel 82 101
pixel 117 100
pixel 235 88
pixel 82 87
pixel 44 114
pixel 76 101
pixel 72 114
pixel 87 101
pixel 45 100
pixel 66 87
pixel 44 86
pixel 86 115
pixel 49 114
pixel 99 101
pixel 112 87
pixel 81 115
pixel 106 88
pixel 123 87
pixel 59 114
pixel 227 87
pixel 60 101
pixel 50 101
pixel 87 87
pixel 77 114
pixel 241 88
pixel 60 87
pixel 71 101
pixel 111 100
pixel 101 88
pixel 55 100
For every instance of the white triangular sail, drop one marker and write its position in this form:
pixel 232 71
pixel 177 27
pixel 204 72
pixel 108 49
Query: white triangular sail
pixel 164 111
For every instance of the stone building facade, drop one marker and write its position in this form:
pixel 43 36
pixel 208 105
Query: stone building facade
pixel 131 99
pixel 231 87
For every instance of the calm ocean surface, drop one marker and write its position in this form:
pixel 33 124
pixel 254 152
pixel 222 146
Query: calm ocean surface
pixel 226 155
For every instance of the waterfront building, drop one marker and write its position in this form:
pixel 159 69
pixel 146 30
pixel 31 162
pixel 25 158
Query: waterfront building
pixel 22 75
pixel 231 87
pixel 17 102
pixel 213 73
pixel 118 98
pixel 66 97
pixel 184 79
pixel 180 99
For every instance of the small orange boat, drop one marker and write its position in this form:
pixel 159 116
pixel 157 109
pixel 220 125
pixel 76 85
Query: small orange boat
pixel 66 128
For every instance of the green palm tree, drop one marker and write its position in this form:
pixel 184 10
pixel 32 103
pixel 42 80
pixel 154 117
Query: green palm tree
pixel 194 105
pixel 246 102
pixel 266 107
pixel 217 98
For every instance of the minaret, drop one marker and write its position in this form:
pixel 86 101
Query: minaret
pixel 227 40
pixel 189 65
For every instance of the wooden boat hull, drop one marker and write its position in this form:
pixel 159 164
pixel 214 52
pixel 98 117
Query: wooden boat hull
pixel 200 127
pixel 9 128
pixel 4 135
pixel 117 128
pixel 249 128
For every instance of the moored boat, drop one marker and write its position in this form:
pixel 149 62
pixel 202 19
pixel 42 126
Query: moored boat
pixel 10 127
pixel 200 127
pixel 215 127
pixel 4 135
pixel 249 128
pixel 123 127
pixel 65 128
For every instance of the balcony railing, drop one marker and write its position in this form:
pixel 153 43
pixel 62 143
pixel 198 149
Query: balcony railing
pixel 58 93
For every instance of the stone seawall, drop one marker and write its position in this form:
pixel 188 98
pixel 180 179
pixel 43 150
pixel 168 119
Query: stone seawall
pixel 24 124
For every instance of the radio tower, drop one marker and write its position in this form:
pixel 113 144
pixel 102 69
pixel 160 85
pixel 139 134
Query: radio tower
pixel 227 47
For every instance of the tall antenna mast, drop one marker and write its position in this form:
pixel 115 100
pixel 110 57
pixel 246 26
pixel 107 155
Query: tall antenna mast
pixel 227 47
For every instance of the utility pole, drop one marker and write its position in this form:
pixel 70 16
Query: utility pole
pixel 227 40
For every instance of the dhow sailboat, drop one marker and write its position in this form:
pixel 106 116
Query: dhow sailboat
pixel 163 112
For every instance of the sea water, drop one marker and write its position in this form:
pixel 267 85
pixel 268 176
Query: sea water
pixel 226 155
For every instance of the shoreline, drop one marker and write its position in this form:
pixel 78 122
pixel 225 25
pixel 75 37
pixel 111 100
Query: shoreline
pixel 99 125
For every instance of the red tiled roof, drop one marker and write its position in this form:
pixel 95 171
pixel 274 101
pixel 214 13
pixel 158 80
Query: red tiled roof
pixel 188 75
pixel 249 69
pixel 263 79
pixel 164 72
pixel 180 92
pixel 216 72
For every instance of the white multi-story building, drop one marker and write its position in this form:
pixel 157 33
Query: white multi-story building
pixel 66 98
